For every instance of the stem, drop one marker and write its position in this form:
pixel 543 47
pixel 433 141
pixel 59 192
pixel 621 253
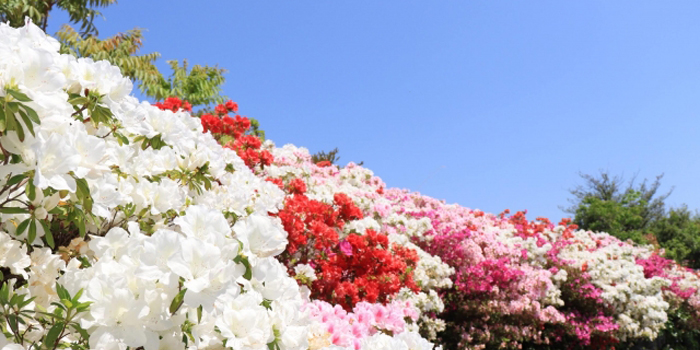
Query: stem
pixel 11 199
pixel 109 133
pixel 9 325
pixel 110 224
pixel 46 16
pixel 80 112
pixel 63 329
pixel 6 155
pixel 20 184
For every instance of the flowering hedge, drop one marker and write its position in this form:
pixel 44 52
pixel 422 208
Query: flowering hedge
pixel 500 281
pixel 126 225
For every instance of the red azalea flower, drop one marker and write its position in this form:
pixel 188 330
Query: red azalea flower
pixel 232 106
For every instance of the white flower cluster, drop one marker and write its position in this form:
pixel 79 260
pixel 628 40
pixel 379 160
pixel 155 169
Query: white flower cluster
pixel 638 301
pixel 180 241
pixel 427 303
pixel 430 272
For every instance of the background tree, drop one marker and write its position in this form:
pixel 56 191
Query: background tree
pixel 331 156
pixel 81 12
pixel 199 85
pixel 638 213
pixel 605 204
pixel 679 234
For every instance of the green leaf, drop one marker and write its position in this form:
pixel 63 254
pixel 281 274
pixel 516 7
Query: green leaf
pixel 76 297
pixel 31 190
pixel 18 95
pixel 27 122
pixel 13 106
pixel 13 322
pixel 78 100
pixel 123 140
pixel 52 335
pixel 59 307
pixel 62 292
pixel 4 293
pixel 32 115
pixel 3 121
pixel 48 236
pixel 22 226
pixel 15 179
pixel 18 128
pixel 81 228
pixel 17 299
pixel 24 303
pixel 83 188
pixel 242 259
pixel 14 210
pixel 32 231
pixel 82 307
pixel 177 301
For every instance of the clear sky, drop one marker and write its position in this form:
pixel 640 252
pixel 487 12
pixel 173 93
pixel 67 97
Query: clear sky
pixel 489 104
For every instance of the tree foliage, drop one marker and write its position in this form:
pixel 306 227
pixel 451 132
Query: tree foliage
pixel 80 12
pixel 638 213
pixel 199 85
pixel 605 204
pixel 330 156
pixel 679 234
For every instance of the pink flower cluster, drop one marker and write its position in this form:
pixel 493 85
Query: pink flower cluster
pixel 347 329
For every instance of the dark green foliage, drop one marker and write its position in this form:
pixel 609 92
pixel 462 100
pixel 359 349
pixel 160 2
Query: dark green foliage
pixel 602 204
pixel 681 332
pixel 199 85
pixel 81 12
pixel 679 234
pixel 639 214
pixel 331 156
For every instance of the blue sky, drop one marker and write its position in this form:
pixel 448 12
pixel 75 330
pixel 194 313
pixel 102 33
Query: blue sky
pixel 489 104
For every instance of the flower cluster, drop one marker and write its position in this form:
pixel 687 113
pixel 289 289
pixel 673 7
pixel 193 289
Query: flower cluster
pixel 174 104
pixel 336 326
pixel 362 266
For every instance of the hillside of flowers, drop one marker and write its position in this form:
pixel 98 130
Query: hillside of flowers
pixel 126 225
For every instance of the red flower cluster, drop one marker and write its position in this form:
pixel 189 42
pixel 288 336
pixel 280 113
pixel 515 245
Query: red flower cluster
pixel 357 268
pixel 173 104
pixel 366 269
pixel 234 127
pixel 312 226
pixel 534 228
pixel 248 148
